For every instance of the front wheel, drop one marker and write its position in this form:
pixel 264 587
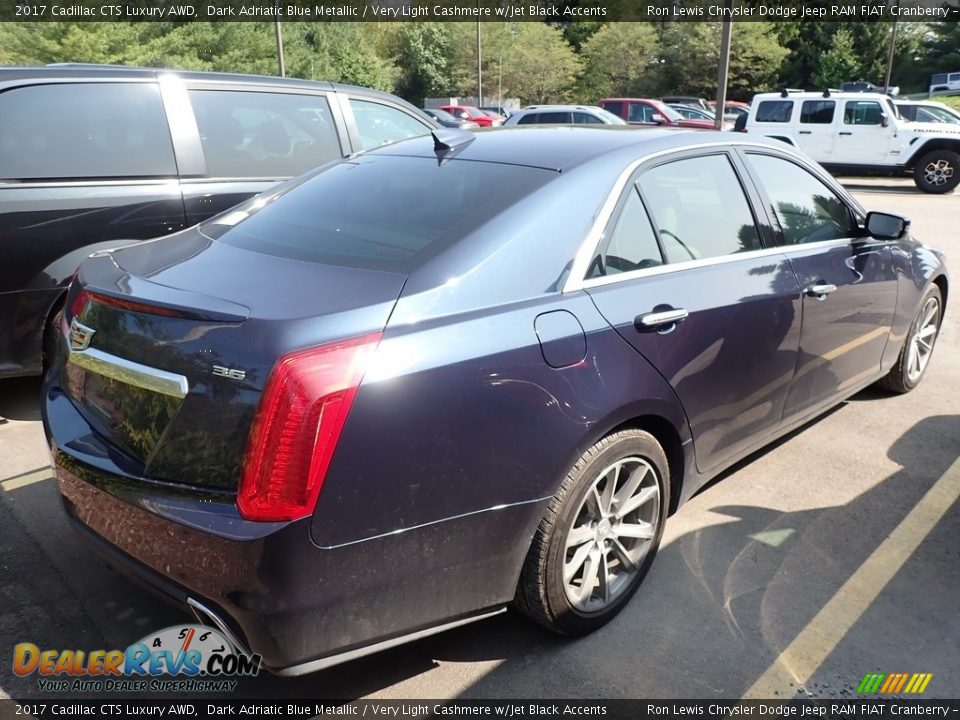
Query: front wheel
pixel 599 536
pixel 937 172
pixel 918 347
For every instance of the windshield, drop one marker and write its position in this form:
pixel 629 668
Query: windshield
pixel 608 116
pixel 377 212
pixel 932 113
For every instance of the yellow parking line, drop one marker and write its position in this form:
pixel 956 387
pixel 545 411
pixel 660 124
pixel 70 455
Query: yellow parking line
pixel 800 659
pixel 34 476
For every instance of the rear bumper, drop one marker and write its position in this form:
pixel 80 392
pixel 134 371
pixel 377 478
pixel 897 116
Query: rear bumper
pixel 301 607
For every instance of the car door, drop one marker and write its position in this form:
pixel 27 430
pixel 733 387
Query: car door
pixel 848 280
pixel 816 134
pixel 863 135
pixel 254 137
pixel 83 166
pixel 684 277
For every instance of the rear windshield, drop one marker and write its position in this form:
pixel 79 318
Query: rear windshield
pixel 378 212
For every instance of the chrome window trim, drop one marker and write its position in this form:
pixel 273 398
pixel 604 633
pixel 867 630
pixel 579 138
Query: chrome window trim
pixel 706 262
pixel 577 280
pixel 131 373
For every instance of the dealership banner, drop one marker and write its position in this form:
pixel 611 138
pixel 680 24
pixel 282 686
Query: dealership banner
pixel 480 10
pixel 440 709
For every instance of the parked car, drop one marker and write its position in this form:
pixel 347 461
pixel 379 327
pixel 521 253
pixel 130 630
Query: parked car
pixel 687 100
pixel 927 111
pixel 945 82
pixel 263 417
pixel 639 111
pixel 563 115
pixel 499 110
pixel 860 132
pixel 468 112
pixel 92 158
pixel 497 117
pixel 855 86
pixel 447 120
pixel 732 109
pixel 694 113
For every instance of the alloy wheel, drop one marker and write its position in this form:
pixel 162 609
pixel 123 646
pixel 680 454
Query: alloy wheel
pixel 938 172
pixel 921 343
pixel 613 531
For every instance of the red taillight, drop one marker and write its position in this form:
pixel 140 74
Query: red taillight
pixel 298 423
pixel 78 303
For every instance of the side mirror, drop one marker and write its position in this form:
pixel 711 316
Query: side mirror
pixel 884 226
pixel 884 120
pixel 658 118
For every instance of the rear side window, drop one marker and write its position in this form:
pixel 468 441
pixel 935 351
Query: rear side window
pixel 699 208
pixel 632 245
pixel 259 134
pixel 774 111
pixel 806 209
pixel 84 130
pixel 380 212
pixel 817 112
pixel 554 118
pixel 380 124
pixel 581 118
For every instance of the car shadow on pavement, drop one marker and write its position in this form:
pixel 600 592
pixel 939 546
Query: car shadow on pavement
pixel 719 605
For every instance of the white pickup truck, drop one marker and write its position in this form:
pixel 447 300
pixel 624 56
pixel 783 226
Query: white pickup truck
pixel 860 133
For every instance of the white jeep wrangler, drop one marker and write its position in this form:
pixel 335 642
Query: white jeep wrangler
pixel 860 133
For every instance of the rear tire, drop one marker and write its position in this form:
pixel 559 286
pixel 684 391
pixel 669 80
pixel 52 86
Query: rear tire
pixel 917 349
pixel 937 172
pixel 599 536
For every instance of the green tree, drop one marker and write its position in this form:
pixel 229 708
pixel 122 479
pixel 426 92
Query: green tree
pixel 691 51
pixel 425 61
pixel 531 61
pixel 621 59
pixel 839 63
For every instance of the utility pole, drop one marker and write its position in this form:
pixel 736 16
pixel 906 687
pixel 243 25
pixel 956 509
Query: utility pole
pixel 479 70
pixel 724 69
pixel 891 53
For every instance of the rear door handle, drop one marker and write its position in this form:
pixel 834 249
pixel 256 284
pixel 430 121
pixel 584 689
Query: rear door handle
pixel 846 133
pixel 660 318
pixel 821 291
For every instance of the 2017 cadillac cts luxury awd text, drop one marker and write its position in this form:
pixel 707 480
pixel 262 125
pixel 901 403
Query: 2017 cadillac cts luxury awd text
pixel 424 383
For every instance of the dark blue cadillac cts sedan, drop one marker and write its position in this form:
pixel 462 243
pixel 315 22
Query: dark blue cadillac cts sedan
pixel 460 373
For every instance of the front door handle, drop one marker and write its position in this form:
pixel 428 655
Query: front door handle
pixel 659 318
pixel 821 291
pixel 846 133
pixel 806 132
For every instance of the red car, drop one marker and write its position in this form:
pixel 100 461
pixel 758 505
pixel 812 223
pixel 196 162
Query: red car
pixel 643 111
pixel 468 112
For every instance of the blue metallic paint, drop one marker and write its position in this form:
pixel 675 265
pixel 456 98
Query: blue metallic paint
pixel 467 422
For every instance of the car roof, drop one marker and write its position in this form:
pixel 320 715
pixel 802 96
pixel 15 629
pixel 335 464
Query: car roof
pixel 562 148
pixel 83 71
pixel 821 95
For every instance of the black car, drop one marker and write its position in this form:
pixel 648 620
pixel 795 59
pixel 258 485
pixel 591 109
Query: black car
pixel 94 157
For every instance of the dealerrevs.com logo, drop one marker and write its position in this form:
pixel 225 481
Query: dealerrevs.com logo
pixel 199 659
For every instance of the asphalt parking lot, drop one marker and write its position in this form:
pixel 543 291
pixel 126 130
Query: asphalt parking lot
pixel 832 554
